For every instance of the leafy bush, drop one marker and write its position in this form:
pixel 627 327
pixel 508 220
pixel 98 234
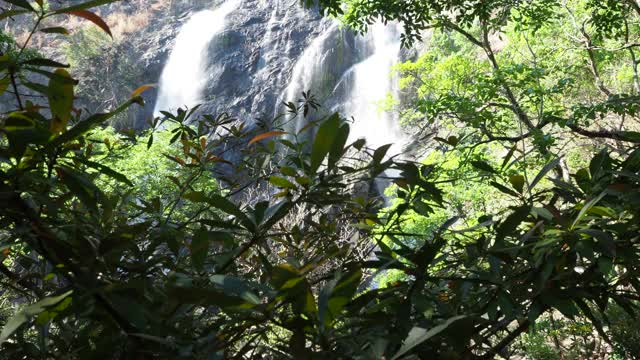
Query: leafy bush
pixel 106 261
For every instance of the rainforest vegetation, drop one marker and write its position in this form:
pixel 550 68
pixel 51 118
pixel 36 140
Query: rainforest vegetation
pixel 512 231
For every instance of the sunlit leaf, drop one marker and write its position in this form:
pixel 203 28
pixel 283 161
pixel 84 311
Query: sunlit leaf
pixel 60 101
pixel 137 92
pixel 418 335
pixel 23 315
pixel 266 136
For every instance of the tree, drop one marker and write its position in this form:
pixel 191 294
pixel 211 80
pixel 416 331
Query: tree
pixel 276 255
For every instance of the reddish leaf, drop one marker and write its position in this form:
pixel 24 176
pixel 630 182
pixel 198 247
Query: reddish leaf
pixel 266 135
pixel 142 89
pixel 93 18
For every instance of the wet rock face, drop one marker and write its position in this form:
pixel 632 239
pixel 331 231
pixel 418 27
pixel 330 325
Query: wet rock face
pixel 250 62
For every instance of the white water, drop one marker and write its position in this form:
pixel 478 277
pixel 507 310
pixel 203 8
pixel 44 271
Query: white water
pixel 308 69
pixel 372 83
pixel 363 87
pixel 357 93
pixel 185 74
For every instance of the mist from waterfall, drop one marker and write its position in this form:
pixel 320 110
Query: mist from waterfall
pixel 185 74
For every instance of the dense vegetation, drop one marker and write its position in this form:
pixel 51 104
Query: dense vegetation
pixel 203 238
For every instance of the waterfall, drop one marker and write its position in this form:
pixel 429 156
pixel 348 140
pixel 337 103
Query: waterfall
pixel 372 82
pixel 185 74
pixel 361 88
pixel 311 67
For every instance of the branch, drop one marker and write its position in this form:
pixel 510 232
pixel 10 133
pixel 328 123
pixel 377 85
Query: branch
pixel 603 134
pixel 505 342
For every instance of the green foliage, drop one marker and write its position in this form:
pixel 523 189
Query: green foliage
pixel 215 240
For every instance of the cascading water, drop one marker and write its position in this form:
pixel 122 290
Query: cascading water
pixel 372 82
pixel 185 74
pixel 358 90
pixel 263 61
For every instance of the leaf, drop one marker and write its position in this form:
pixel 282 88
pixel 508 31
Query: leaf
pixel 21 3
pixel 60 101
pixel 324 140
pixel 552 164
pixel 91 17
pixel 234 286
pixel 223 204
pixel 511 223
pixel 586 207
pixel 483 165
pixel 338 145
pixel 85 5
pixel 4 84
pixel 597 164
pixel 23 316
pixel 517 181
pixel 282 182
pixel 336 295
pixel 80 186
pixel 292 285
pixel 137 92
pixel 11 13
pixel 46 62
pixel 380 152
pixel 55 30
pixel 504 189
pixel 199 248
pixel 419 335
pixel 85 125
pixel 266 135
pixel 509 156
pixel 595 321
pixel 106 171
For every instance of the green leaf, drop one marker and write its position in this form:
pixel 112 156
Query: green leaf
pixel 21 3
pixel 336 294
pixel 552 164
pixel 504 189
pixel 483 165
pixel 55 30
pixel 81 187
pixel 85 125
pixel 106 171
pixel 337 149
pixel 605 264
pixel 235 287
pixel 23 315
pixel 83 6
pixel 509 156
pixel 60 100
pixel 199 248
pixel 586 208
pixel 45 62
pixel 584 307
pixel 418 335
pixel 517 181
pixel 324 140
pixel 282 182
pixel 4 84
pixel 10 13
pixel 380 152
pixel 292 285
pixel 511 223
pixel 598 163
pixel 222 203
